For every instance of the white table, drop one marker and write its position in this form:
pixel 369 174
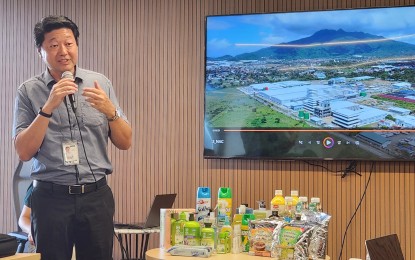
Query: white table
pixel 126 242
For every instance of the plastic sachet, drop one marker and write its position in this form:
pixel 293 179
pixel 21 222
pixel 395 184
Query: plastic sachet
pixel 291 241
pixel 197 251
pixel 261 236
pixel 318 240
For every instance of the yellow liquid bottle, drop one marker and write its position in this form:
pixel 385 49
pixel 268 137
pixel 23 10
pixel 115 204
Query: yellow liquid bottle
pixel 278 203
pixel 294 195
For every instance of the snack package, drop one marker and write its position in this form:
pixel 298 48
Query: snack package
pixel 260 236
pixel 301 239
pixel 318 240
pixel 291 241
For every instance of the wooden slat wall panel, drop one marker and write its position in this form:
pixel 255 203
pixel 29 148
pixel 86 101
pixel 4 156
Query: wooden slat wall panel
pixel 153 52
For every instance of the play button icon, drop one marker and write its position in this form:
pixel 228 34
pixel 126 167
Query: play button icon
pixel 328 142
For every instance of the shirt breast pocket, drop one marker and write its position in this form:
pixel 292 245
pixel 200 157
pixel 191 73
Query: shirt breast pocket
pixel 91 116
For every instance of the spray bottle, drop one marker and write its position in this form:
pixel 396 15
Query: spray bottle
pixel 203 203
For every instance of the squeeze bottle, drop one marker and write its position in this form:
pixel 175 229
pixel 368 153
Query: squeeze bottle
pixel 208 235
pixel 179 227
pixel 191 232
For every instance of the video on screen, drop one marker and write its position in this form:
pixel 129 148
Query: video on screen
pixel 336 84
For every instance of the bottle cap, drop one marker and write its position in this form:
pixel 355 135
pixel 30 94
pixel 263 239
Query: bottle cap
pixel 303 199
pixel 278 192
pixel 208 224
pixel 288 199
pixel 192 216
pixel 315 200
pixel 227 220
pixel 183 215
pixel 242 209
pixel 294 193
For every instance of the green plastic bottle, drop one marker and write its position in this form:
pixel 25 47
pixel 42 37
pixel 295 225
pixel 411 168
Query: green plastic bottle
pixel 179 229
pixel 221 248
pixel 191 232
pixel 245 231
pixel 174 218
pixel 207 235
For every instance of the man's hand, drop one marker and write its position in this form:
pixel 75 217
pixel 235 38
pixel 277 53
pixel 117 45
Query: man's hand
pixel 59 91
pixel 99 100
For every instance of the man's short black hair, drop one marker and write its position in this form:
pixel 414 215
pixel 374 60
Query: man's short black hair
pixel 51 23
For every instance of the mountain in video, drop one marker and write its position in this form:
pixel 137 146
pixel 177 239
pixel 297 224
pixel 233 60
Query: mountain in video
pixel 378 49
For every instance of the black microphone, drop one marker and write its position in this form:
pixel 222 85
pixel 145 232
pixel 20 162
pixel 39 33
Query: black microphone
pixel 69 75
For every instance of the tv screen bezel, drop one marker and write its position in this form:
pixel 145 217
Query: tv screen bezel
pixel 207 154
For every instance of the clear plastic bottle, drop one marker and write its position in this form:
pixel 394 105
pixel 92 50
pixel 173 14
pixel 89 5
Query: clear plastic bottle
pixel 294 195
pixel 301 206
pixel 227 228
pixel 289 209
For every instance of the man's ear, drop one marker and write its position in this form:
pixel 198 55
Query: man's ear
pixel 39 52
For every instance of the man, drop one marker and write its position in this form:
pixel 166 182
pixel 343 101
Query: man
pixel 63 119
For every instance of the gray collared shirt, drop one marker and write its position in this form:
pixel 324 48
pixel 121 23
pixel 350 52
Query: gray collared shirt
pixel 93 125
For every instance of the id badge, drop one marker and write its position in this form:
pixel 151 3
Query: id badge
pixel 70 153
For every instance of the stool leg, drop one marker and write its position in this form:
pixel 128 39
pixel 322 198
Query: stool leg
pixel 136 246
pixel 121 246
pixel 127 246
pixel 144 250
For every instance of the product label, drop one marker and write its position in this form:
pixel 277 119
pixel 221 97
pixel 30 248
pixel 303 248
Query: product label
pixel 178 237
pixel 203 207
pixel 226 203
pixel 192 236
pixel 245 239
pixel 208 239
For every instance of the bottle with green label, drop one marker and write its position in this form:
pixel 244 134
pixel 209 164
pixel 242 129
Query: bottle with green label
pixel 179 229
pixel 245 231
pixel 207 235
pixel 191 232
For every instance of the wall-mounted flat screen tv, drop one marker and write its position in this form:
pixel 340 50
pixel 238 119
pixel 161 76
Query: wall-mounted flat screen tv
pixel 333 85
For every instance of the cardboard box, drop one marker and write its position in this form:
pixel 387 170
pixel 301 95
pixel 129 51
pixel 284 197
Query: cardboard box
pixel 165 225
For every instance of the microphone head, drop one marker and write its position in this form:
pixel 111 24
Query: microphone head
pixel 67 75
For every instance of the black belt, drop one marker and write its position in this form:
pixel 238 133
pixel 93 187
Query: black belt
pixel 71 189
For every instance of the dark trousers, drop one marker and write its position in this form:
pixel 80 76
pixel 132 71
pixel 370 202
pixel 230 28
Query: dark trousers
pixel 60 221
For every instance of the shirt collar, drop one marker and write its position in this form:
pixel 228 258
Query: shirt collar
pixel 49 80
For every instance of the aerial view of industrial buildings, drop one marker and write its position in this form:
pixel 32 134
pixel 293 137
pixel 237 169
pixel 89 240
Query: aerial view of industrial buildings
pixel 370 101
